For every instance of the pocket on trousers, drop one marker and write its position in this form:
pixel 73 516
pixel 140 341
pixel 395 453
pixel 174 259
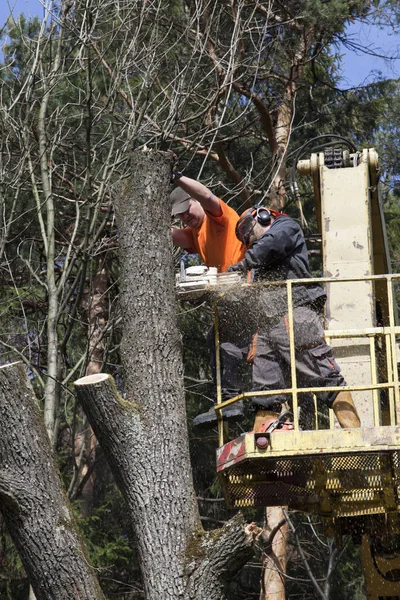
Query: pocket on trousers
pixel 324 358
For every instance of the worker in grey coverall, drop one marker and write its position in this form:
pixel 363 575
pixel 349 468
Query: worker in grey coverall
pixel 276 252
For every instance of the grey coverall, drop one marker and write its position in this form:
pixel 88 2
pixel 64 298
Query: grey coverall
pixel 281 254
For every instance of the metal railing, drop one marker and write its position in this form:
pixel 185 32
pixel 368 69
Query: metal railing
pixel 387 332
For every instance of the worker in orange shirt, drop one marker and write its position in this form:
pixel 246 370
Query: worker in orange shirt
pixel 210 232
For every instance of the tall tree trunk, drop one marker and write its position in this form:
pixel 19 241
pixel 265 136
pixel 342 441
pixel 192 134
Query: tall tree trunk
pixel 51 391
pixel 31 498
pixel 162 492
pixel 144 435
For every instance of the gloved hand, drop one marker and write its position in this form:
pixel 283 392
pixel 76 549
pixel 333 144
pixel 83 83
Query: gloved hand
pixel 239 267
pixel 175 175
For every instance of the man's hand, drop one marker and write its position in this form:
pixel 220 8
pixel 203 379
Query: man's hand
pixel 239 267
pixel 175 175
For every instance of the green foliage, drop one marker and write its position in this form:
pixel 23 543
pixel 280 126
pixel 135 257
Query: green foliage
pixel 348 580
pixel 108 542
pixel 392 217
pixel 105 548
pixel 13 581
pixel 21 36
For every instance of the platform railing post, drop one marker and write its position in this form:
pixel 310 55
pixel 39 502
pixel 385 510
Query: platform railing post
pixel 375 395
pixel 389 365
pixel 392 326
pixel 292 354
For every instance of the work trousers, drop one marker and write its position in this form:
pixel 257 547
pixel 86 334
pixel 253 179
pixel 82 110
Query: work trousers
pixel 315 363
pixel 232 354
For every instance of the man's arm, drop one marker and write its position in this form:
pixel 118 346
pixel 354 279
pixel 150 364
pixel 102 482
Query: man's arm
pixel 201 193
pixel 183 238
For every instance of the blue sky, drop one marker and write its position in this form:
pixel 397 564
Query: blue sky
pixel 357 68
pixel 29 7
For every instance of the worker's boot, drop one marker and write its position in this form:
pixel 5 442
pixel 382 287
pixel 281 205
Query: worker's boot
pixel 345 411
pixel 233 414
pixel 263 415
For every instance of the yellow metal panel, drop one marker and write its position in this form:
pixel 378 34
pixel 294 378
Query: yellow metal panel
pixel 350 475
pixel 298 443
pixel 348 252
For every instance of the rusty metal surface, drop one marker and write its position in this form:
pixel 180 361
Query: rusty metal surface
pixel 337 474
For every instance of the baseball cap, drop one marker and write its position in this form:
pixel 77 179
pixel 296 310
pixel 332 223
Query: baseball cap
pixel 180 201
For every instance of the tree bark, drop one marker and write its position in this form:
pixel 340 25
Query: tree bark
pixel 97 310
pixel 144 436
pixel 275 558
pixel 31 500
pixel 200 564
pixel 161 492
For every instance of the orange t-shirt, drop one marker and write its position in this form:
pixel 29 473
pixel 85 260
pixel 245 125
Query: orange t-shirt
pixel 215 240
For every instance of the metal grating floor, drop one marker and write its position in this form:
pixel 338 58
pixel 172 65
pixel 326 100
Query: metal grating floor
pixel 331 486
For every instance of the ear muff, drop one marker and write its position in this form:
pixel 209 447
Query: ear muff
pixel 263 216
pixel 245 224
